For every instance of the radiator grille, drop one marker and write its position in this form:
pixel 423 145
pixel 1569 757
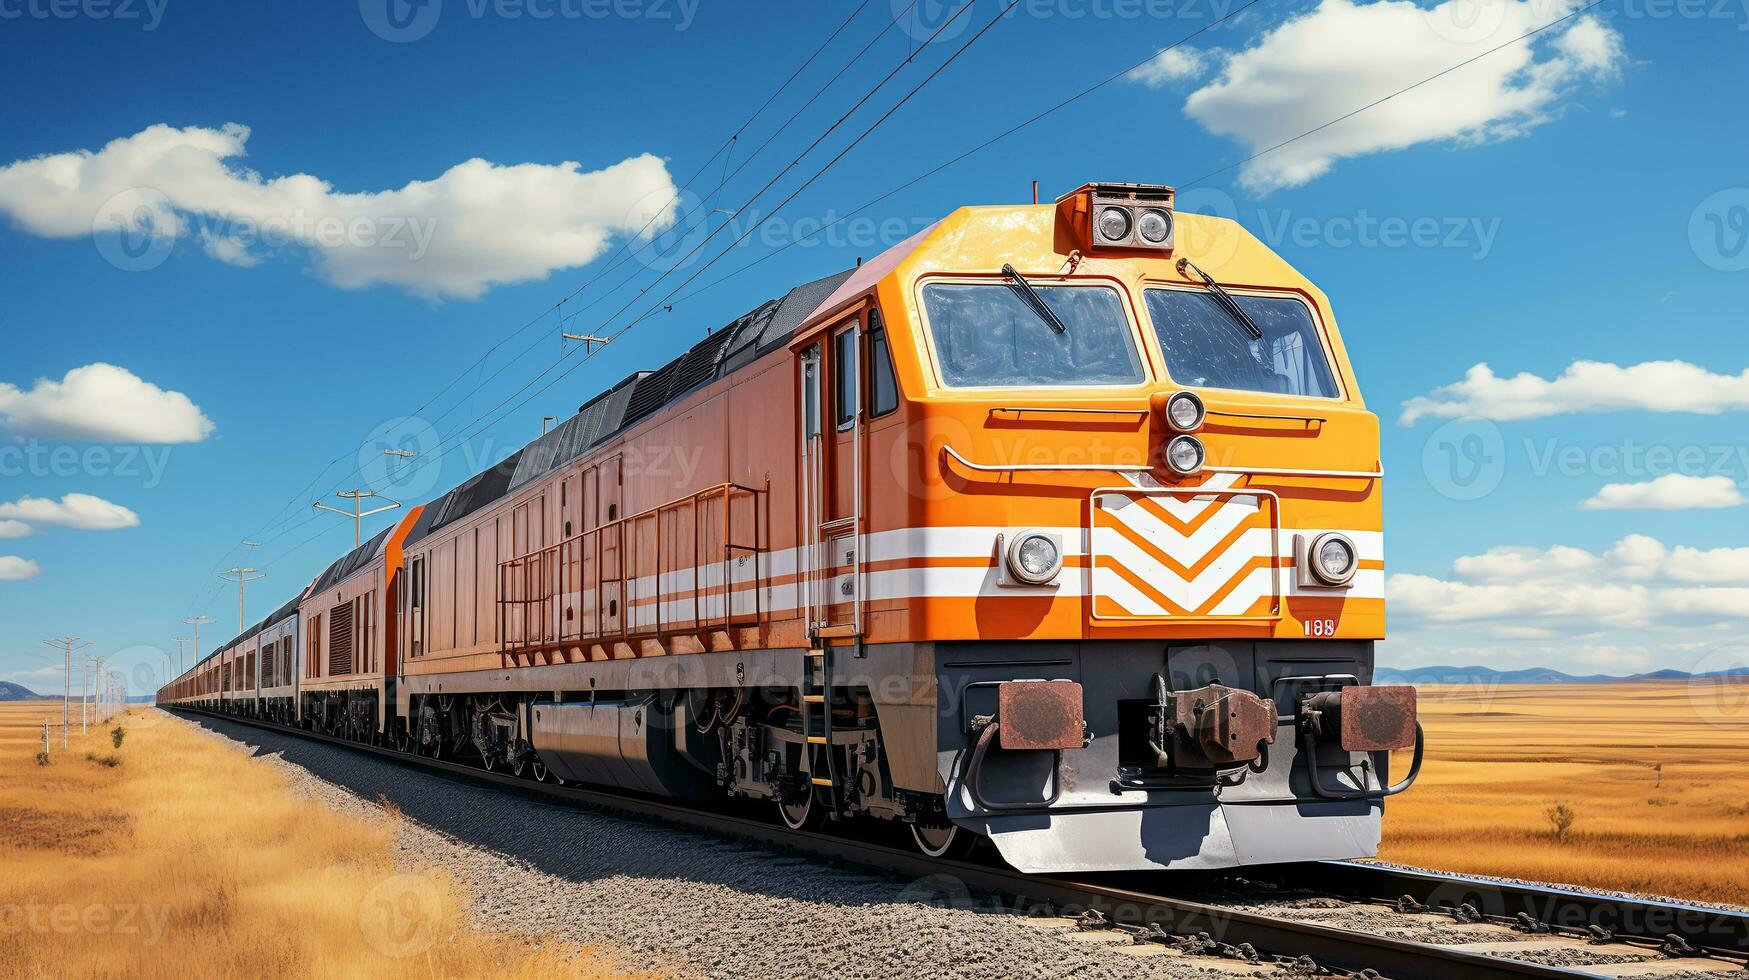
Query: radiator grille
pixel 340 639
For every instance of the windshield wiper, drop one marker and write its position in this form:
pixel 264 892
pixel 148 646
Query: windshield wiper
pixel 1225 299
pixel 1031 298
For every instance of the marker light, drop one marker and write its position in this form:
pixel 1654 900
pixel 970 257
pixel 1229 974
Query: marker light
pixel 1034 558
pixel 1184 411
pixel 1155 226
pixel 1185 455
pixel 1114 224
pixel 1332 558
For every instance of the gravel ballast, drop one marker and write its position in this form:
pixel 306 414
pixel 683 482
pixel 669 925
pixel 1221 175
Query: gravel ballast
pixel 684 903
pixel 688 904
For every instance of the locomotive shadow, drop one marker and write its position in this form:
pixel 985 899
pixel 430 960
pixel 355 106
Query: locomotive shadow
pixel 582 843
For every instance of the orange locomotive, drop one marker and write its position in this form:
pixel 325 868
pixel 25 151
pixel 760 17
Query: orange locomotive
pixel 1053 525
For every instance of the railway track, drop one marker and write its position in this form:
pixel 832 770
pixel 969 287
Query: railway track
pixel 1254 920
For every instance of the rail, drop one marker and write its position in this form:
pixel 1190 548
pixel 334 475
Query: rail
pixel 679 567
pixel 1158 907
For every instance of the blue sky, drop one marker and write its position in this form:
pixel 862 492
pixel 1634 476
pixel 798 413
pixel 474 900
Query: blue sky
pixel 1577 197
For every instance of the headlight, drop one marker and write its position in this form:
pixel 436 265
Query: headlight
pixel 1034 558
pixel 1114 224
pixel 1184 411
pixel 1185 455
pixel 1333 558
pixel 1155 226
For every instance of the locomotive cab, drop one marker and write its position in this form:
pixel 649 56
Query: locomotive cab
pixel 1142 494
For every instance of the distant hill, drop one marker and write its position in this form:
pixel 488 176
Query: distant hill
pixel 1529 675
pixel 14 692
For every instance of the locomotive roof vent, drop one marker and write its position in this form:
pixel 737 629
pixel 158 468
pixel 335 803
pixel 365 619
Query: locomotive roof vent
pixel 1126 216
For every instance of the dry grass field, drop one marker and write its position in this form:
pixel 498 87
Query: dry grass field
pixel 187 860
pixel 1654 779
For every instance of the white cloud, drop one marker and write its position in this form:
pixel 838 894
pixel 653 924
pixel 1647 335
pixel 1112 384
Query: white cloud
pixel 229 249
pixel 14 529
pixel 1634 558
pixel 1675 491
pixel 25 677
pixel 476 225
pixel 1639 583
pixel 103 403
pixel 75 510
pixel 14 568
pixel 1342 55
pixel 1585 386
pixel 1172 65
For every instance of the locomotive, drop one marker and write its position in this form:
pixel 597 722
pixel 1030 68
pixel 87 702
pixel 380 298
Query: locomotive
pixel 1055 526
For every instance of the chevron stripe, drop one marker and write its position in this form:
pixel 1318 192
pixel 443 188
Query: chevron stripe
pixel 1216 557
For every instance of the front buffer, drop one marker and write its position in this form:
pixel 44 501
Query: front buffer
pixel 1108 756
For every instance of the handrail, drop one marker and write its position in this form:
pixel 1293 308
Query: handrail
pixel 1145 468
pixel 542 584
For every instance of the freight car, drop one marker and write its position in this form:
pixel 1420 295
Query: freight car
pixel 1055 525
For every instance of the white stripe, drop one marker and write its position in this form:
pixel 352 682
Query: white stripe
pixel 915 544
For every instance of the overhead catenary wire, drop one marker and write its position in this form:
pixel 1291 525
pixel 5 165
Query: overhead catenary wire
pixel 965 8
pixel 281 516
pixel 663 304
pixel 660 304
pixel 559 306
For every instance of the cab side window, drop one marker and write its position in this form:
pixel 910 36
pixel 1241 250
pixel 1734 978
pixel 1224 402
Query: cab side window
pixel 883 389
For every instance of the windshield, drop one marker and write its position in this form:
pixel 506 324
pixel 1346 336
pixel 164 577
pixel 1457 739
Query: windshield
pixel 986 336
pixel 1206 347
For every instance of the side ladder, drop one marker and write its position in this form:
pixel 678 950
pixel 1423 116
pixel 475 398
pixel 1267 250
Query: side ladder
pixel 816 712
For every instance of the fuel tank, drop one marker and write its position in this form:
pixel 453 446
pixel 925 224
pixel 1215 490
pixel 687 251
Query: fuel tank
pixel 629 744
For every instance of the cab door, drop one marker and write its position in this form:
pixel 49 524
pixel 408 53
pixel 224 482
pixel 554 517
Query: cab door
pixel 829 372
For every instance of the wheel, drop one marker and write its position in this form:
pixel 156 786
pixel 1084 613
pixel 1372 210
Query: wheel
pixel 804 814
pixel 937 840
pixel 538 769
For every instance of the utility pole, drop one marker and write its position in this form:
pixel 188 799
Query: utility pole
pixel 65 645
pixel 90 686
pixel 195 621
pixel 399 454
pixel 590 342
pixel 241 575
pixel 180 640
pixel 357 497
